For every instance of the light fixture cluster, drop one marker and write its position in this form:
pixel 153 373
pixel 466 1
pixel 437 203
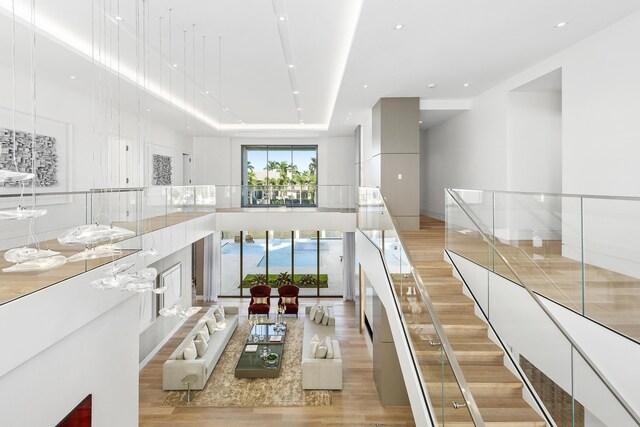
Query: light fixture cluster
pixel 179 311
pixel 137 281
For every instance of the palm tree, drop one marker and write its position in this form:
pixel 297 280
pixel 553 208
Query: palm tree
pixel 313 166
pixel 283 170
pixel 251 175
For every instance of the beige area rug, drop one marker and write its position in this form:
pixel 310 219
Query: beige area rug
pixel 225 390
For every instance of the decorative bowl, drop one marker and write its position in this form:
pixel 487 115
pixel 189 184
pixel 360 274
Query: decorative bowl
pixel 271 359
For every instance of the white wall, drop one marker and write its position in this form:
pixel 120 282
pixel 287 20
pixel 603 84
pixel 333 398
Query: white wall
pixel 534 149
pixel 219 159
pixel 599 130
pixel 467 151
pixel 75 109
pixel 100 359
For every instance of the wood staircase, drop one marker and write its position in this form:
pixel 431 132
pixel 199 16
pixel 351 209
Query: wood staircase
pixel 497 392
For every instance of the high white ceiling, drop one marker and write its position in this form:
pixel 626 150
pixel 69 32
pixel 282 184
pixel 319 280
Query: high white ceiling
pixel 335 47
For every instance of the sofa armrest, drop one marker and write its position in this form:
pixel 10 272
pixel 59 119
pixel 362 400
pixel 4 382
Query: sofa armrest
pixel 231 309
pixel 173 371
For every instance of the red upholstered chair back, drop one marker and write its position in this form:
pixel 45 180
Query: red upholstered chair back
pixel 288 291
pixel 260 291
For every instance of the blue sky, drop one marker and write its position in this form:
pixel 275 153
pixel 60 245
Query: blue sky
pixel 301 158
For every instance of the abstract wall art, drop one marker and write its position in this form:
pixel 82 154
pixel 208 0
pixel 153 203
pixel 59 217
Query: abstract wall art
pixel 162 172
pixel 46 156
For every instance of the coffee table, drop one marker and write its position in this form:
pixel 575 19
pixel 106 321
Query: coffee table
pixel 251 364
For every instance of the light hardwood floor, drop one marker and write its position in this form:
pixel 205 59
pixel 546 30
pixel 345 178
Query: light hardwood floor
pixel 498 393
pixel 356 405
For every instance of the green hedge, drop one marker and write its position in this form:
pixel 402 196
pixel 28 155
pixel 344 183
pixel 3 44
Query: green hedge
pixel 324 281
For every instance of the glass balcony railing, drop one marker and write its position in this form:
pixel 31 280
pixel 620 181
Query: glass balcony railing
pixel 441 378
pixel 579 251
pixel 137 210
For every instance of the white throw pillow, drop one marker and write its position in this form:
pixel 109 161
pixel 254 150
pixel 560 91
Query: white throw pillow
pixel 219 313
pixel 203 335
pixel 313 311
pixel 212 325
pixel 321 352
pixel 190 353
pixel 313 345
pixel 201 347
pixel 191 346
pixel 329 344
pixel 325 318
pixel 319 316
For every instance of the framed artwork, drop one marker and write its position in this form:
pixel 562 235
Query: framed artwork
pixel 80 416
pixel 147 312
pixel 172 279
pixel 161 165
pixel 53 145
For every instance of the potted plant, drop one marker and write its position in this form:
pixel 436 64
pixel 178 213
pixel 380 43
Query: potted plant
pixel 308 281
pixel 284 278
pixel 259 279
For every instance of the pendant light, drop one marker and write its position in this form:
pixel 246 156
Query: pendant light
pixel 17 176
pixel 26 259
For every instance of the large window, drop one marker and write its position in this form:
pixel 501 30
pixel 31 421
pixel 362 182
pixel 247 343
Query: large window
pixel 279 175
pixel 310 259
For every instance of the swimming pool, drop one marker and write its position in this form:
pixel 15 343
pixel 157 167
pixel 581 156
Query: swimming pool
pixel 279 252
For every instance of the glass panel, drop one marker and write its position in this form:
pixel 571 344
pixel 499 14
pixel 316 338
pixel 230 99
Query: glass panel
pixel 280 261
pixel 462 236
pixel 612 263
pixel 254 175
pixel 230 263
pixel 304 175
pixel 306 263
pixel 331 263
pixel 539 241
pixel 254 259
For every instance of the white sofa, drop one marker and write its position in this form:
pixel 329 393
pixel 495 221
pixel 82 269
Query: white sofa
pixel 320 374
pixel 175 369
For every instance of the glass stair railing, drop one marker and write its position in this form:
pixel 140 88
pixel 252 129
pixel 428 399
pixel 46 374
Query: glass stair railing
pixel 442 383
pixel 539 242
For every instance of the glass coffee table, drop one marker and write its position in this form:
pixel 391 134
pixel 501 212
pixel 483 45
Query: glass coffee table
pixel 263 340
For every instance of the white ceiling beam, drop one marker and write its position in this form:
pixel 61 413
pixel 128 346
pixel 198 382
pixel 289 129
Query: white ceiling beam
pixel 445 104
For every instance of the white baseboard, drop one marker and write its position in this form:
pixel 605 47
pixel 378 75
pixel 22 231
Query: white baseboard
pixel 159 346
pixel 432 214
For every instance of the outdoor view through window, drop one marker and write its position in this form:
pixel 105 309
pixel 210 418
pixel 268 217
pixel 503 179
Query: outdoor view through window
pixel 279 175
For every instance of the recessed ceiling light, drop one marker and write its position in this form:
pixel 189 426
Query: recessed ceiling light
pixel 206 92
pixel 295 92
pixel 290 65
pixel 466 85
pixel 420 122
pixel 282 18
pixel 148 110
pixel 561 24
pixel 398 26
pixel 73 77
pixel 299 109
pixel 365 86
pixel 118 18
pixel 175 65
pixel 432 85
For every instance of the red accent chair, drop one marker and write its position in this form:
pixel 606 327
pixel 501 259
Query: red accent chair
pixel 289 291
pixel 260 291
